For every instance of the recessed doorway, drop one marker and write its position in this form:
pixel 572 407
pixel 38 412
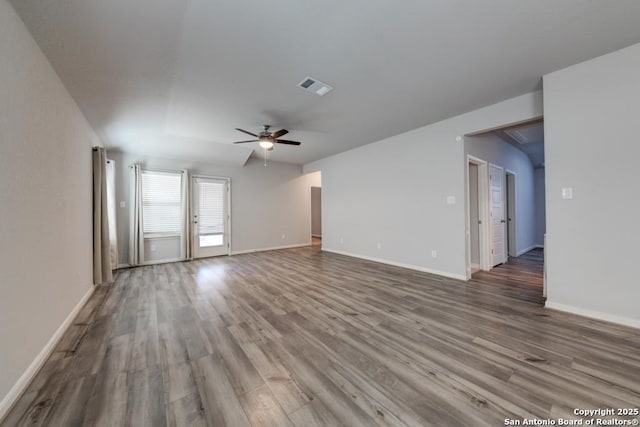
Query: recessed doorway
pixel 316 215
pixel 477 203
pixel 515 195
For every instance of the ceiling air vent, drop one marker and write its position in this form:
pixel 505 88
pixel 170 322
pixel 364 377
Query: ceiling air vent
pixel 315 86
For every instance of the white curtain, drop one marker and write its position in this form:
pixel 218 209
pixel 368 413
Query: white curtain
pixel 101 241
pixel 111 213
pixel 136 234
pixel 186 241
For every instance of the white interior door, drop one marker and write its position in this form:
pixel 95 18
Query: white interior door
pixel 210 207
pixel 511 215
pixel 496 179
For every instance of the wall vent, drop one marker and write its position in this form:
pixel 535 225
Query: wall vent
pixel 315 86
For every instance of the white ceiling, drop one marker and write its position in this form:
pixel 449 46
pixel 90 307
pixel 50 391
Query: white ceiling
pixel 528 134
pixel 175 77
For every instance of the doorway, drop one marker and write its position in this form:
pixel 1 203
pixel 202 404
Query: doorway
pixel 477 205
pixel 474 217
pixel 210 212
pixel 515 212
pixel 316 215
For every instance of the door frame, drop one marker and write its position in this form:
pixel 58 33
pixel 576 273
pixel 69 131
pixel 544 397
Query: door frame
pixel 483 214
pixel 193 201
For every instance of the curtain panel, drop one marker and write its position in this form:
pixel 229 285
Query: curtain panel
pixel 136 231
pixel 186 240
pixel 111 212
pixel 102 267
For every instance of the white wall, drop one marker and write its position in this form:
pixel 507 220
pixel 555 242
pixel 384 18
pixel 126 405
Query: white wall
pixel 45 208
pixel 540 205
pixel 494 150
pixel 394 192
pixel 591 139
pixel 266 202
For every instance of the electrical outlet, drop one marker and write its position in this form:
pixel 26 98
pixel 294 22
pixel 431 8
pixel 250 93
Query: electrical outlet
pixel 284 236
pixel 379 245
pixel 123 204
pixel 451 200
pixel 341 240
pixel 153 248
pixel 434 254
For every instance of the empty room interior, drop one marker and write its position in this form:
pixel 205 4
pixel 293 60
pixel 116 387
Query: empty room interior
pixel 248 213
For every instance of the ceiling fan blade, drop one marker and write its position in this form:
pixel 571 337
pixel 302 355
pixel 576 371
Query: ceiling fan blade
pixel 242 142
pixel 247 132
pixel 280 133
pixel 284 141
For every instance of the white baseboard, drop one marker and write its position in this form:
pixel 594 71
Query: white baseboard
pixel 25 379
pixel 625 321
pixel 475 266
pixel 400 264
pixel 273 248
pixel 162 261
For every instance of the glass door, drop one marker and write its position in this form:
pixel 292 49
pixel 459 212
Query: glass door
pixel 210 210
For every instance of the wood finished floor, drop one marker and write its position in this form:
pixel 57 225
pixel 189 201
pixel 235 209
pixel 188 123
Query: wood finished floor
pixel 301 337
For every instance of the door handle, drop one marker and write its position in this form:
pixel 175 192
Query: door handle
pixel 503 221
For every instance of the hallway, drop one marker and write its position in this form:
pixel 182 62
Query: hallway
pixel 520 278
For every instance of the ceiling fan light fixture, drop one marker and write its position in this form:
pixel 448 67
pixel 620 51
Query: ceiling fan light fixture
pixel 266 144
pixel 267 139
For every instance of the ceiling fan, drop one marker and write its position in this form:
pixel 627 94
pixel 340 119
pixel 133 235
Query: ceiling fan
pixel 267 139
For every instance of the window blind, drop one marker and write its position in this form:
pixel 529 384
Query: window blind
pixel 161 202
pixel 211 207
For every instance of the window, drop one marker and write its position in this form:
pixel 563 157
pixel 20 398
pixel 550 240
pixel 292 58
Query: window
pixel 161 200
pixel 211 212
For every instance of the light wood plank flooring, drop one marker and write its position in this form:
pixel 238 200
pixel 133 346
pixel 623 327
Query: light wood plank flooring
pixel 300 338
pixel 519 278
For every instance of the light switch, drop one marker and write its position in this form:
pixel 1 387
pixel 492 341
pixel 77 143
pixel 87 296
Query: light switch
pixel 567 193
pixel 451 200
pixel 122 204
